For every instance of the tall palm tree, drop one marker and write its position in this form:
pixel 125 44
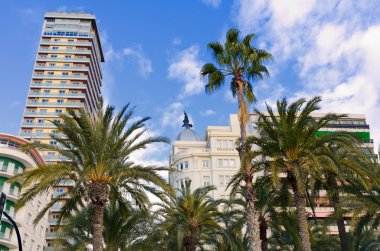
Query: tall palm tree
pixel 97 147
pixel 289 144
pixel 238 60
pixel 190 216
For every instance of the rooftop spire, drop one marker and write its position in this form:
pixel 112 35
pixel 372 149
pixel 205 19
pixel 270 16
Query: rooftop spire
pixel 186 122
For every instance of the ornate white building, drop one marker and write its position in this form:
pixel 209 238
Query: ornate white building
pixel 212 161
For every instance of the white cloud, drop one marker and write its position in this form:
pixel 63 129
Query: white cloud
pixel 207 113
pixel 228 96
pixel 177 41
pixel 186 67
pixel 333 48
pixel 173 115
pixel 213 3
pixel 144 64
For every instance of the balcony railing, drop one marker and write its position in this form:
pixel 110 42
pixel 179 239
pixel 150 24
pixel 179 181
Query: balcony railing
pixel 42 114
pixel 60 67
pixel 39 135
pixel 63 59
pixel 66 104
pixel 5 236
pixel 36 124
pixel 56 94
pixel 49 42
pixel 55 158
pixel 14 192
pixel 51 76
pixel 58 85
pixel 65 51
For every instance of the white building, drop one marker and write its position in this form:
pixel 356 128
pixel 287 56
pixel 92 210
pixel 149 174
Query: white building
pixel 212 161
pixel 14 161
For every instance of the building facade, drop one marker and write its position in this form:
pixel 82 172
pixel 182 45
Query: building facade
pixel 14 161
pixel 214 160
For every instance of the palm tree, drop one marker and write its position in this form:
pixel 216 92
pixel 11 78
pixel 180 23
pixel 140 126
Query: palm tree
pixel 347 166
pixel 244 63
pixel 232 236
pixel 285 235
pixel 122 228
pixel 289 145
pixel 97 148
pixel 190 216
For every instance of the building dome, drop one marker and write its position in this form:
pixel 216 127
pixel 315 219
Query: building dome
pixel 188 135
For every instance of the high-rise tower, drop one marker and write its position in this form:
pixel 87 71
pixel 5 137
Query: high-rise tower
pixel 66 75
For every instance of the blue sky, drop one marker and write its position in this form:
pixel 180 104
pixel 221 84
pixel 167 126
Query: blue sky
pixel 154 51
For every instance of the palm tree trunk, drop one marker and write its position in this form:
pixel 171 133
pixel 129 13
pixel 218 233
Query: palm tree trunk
pixel 251 215
pixel 98 193
pixel 97 224
pixel 189 243
pixel 344 244
pixel 263 234
pixel 300 203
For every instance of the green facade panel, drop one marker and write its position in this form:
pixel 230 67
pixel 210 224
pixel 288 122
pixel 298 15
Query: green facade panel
pixel 365 136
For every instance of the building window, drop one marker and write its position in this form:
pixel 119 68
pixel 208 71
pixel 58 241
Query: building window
pixel 205 163
pixel 53 143
pixel 58 111
pixel 186 164
pixel 25 240
pixel 46 91
pixel 45 101
pixel 62 91
pixel 221 180
pixel 43 110
pixel 29 219
pixel 60 101
pixel 67 56
pixel 226 163
pixel 53 56
pixel 40 121
pixel 65 73
pixel 206 180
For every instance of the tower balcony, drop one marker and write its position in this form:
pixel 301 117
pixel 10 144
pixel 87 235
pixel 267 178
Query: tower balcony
pixel 59 85
pixel 70 43
pixel 61 68
pixel 40 136
pixel 56 95
pixel 36 124
pixel 55 104
pixel 61 59
pixel 42 114
pixel 65 51
pixel 51 76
